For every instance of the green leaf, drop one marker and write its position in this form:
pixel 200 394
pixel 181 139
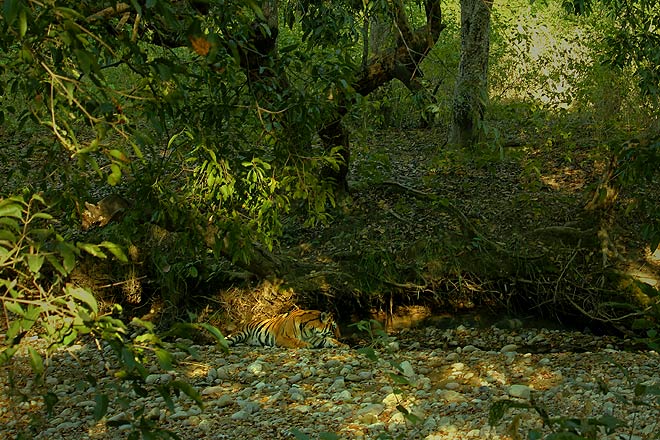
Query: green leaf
pixel 144 324
pixel 369 353
pixel 257 10
pixel 31 316
pixel 167 397
pixel 70 338
pixel 4 254
pixel 534 435
pixel 610 422
pixel 328 436
pixel 14 308
pixel 56 264
pixel 217 334
pixel 11 210
pixel 128 358
pixel 86 61
pixel 37 198
pixel 642 323
pixel 299 435
pixel 22 23
pixel 13 332
pixel 68 258
pixel 147 337
pixel 397 378
pixel 92 249
pixel 11 10
pixel 164 359
pixel 35 261
pixel 10 223
pixel 564 436
pixel 115 250
pixel 83 295
pixel 7 354
pixel 118 154
pixel 101 407
pixel 36 362
pixel 50 399
pixel 115 175
pixel 67 12
pixel 188 390
pixel 42 215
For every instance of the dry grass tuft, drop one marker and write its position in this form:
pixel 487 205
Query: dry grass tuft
pixel 267 299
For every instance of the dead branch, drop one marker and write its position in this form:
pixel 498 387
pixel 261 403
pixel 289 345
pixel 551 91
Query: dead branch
pixel 111 11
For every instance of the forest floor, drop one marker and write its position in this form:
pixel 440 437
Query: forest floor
pixel 453 230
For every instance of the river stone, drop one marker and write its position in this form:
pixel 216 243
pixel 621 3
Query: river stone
pixel 66 425
pixel 213 390
pixel 223 400
pixel 256 368
pixel 521 391
pixel 240 415
pixel 158 379
pixel 368 415
pixel 509 348
pixel 338 385
pixel 450 396
pixel 295 378
pixel 407 369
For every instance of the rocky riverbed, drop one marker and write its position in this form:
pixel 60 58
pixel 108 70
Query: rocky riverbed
pixel 421 384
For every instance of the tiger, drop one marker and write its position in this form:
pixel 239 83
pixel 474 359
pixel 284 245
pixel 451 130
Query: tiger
pixel 295 329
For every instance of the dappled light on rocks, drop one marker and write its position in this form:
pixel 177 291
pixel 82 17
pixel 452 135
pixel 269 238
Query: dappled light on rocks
pixel 437 384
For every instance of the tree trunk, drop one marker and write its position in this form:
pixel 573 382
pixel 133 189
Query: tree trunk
pixel 333 134
pixel 399 62
pixel 471 92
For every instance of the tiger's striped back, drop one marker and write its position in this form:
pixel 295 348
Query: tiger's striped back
pixel 296 329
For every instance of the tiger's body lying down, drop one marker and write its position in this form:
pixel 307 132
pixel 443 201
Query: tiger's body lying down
pixel 296 329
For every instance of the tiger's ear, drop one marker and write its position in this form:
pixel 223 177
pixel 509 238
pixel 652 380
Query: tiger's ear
pixel 326 317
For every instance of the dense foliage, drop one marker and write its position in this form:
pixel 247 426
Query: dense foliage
pixel 223 125
pixel 156 93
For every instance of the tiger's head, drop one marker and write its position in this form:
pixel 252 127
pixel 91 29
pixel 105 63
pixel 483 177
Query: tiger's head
pixel 330 326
